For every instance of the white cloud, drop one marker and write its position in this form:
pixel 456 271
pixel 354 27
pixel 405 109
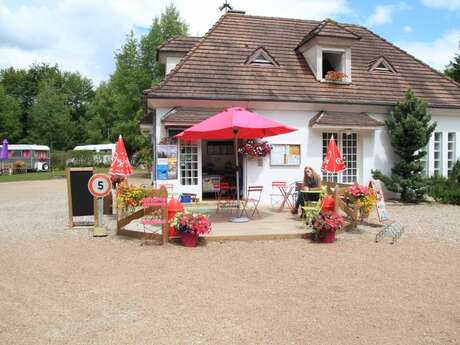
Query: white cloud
pixel 437 53
pixel 450 5
pixel 383 14
pixel 82 35
pixel 407 28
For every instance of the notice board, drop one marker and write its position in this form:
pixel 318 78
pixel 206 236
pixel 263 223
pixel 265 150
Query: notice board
pixel 80 200
pixel 285 154
pixel 166 162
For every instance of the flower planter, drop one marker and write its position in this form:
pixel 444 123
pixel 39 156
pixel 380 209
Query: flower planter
pixel 329 237
pixel 189 239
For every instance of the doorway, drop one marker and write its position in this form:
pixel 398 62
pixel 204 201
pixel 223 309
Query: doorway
pixel 218 166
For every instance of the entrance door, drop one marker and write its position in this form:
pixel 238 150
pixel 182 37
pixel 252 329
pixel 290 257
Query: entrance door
pixel 348 146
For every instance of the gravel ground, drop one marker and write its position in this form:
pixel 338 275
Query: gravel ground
pixel 60 286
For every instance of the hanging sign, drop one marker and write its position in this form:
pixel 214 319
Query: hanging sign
pixel 376 187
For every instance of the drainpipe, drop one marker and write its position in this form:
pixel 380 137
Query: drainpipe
pixel 154 146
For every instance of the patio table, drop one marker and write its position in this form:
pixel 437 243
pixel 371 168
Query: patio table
pixel 287 193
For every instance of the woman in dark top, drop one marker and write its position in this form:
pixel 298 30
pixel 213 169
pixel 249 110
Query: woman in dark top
pixel 310 180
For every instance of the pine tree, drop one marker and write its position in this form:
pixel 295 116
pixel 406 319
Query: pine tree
pixel 453 69
pixel 409 126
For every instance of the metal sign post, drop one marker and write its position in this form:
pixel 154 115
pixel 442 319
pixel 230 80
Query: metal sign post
pixel 99 186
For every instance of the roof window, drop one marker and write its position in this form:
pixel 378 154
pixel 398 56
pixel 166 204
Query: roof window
pixel 381 64
pixel 261 57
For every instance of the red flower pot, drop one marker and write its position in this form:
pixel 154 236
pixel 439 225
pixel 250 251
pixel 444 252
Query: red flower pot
pixel 189 239
pixel 328 237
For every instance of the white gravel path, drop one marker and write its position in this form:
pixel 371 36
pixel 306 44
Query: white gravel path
pixel 59 286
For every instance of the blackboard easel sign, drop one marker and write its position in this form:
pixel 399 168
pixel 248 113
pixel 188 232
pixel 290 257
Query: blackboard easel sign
pixel 80 200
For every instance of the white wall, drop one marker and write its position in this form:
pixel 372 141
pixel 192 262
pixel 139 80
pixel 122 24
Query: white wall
pixel 374 151
pixel 445 124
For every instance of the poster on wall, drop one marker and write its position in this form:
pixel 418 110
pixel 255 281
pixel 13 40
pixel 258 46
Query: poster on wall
pixel 376 187
pixel 166 162
pixel 285 154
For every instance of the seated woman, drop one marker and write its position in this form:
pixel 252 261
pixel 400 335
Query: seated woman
pixel 310 180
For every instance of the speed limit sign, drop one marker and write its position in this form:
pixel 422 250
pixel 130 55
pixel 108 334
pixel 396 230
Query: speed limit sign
pixel 99 185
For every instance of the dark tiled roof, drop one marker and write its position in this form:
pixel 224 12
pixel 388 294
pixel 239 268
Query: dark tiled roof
pixel 147 119
pixel 181 44
pixel 330 28
pixel 331 118
pixel 214 69
pixel 185 115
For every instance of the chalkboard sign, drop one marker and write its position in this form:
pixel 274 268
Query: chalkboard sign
pixel 80 200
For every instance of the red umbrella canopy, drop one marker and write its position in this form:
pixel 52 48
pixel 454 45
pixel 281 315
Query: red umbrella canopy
pixel 234 122
pixel 333 162
pixel 120 163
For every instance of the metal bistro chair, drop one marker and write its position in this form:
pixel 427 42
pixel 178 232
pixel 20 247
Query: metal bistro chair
pixel 276 197
pixel 153 216
pixel 225 197
pixel 253 197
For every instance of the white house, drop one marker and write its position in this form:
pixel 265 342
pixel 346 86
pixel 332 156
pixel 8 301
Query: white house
pixel 278 68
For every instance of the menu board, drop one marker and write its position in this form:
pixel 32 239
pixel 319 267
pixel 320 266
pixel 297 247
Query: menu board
pixel 376 187
pixel 166 162
pixel 285 154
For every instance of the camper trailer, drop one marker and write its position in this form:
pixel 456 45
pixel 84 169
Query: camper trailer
pixel 35 157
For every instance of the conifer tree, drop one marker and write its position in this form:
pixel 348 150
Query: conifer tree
pixel 409 126
pixel 453 69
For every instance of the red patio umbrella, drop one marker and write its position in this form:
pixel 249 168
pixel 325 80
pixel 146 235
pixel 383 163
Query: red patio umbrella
pixel 235 123
pixel 333 162
pixel 120 163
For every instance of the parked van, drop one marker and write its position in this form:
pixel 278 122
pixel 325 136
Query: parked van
pixel 35 157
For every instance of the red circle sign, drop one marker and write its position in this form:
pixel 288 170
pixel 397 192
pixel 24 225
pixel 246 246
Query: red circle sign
pixel 100 185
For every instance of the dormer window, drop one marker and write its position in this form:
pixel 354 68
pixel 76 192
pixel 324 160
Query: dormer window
pixel 261 57
pixel 381 64
pixel 327 51
pixel 333 61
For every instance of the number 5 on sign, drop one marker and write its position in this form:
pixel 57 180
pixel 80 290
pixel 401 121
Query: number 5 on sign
pixel 99 185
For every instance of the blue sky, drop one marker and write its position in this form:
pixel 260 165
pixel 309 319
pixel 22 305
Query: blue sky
pixel 82 35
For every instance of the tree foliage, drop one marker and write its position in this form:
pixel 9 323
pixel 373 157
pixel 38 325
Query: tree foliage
pixel 453 69
pixel 44 105
pixel 409 126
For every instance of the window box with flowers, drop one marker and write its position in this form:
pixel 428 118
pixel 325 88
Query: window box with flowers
pixel 363 199
pixel 336 77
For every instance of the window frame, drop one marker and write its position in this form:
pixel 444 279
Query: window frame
pixel 342 177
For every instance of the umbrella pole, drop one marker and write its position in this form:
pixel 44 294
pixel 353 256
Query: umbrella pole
pixel 238 218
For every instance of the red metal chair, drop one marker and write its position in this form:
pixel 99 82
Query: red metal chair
pixel 153 211
pixel 225 197
pixel 252 198
pixel 276 196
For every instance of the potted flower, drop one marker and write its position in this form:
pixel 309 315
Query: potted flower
pixel 362 198
pixel 190 227
pixel 325 226
pixel 251 148
pixel 335 76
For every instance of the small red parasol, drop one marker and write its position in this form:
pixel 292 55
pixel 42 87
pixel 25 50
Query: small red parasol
pixel 333 162
pixel 120 164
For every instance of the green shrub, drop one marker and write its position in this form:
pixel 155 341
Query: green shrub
pixel 63 159
pixel 444 190
pixel 58 160
pixel 455 173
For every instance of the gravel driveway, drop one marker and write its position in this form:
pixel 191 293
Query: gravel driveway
pixel 60 286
